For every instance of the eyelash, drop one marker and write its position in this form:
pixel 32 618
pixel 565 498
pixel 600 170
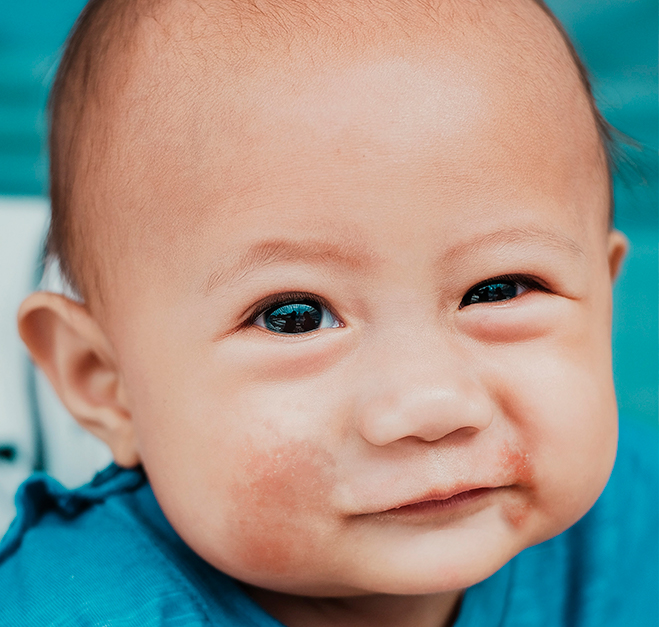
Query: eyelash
pixel 528 282
pixel 285 298
pixel 274 300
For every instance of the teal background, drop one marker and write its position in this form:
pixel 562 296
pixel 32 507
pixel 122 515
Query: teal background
pixel 618 42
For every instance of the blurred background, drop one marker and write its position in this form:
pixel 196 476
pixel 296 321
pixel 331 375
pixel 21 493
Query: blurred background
pixel 617 39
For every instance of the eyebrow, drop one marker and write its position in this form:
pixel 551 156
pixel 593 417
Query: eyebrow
pixel 349 255
pixel 506 236
pixel 353 256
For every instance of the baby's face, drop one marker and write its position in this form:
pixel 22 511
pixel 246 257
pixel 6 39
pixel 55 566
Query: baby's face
pixel 366 338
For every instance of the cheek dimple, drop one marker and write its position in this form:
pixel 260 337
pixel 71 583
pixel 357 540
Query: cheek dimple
pixel 518 467
pixel 278 502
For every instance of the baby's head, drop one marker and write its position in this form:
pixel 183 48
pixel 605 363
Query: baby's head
pixel 347 280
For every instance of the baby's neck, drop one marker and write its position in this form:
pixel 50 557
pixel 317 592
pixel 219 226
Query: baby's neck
pixel 439 610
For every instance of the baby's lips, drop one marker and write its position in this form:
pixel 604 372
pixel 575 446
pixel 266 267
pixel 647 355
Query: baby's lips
pixel 435 497
pixel 455 498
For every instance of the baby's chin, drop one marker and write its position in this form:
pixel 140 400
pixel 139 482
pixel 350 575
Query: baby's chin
pixel 414 577
pixel 406 562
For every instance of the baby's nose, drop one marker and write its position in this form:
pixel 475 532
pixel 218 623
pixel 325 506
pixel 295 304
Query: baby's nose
pixel 426 403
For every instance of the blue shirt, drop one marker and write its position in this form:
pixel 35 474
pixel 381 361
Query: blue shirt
pixel 104 554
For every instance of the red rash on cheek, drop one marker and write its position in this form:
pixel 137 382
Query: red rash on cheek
pixel 279 501
pixel 518 467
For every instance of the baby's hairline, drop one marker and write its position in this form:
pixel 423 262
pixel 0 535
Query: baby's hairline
pixel 72 251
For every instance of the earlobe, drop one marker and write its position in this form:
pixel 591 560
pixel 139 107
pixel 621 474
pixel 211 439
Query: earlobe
pixel 71 348
pixel 617 249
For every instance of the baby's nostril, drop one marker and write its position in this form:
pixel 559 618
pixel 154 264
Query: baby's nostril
pixel 7 452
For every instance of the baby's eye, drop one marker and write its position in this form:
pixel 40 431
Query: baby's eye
pixel 300 316
pixel 498 289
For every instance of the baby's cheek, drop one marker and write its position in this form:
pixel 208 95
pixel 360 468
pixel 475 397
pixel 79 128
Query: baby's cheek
pixel 279 501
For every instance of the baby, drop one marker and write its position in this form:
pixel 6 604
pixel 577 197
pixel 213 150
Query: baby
pixel 344 321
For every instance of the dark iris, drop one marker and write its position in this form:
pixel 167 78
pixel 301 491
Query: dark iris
pixel 489 293
pixel 299 317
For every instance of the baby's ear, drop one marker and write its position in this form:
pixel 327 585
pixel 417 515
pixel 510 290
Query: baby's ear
pixel 618 245
pixel 70 347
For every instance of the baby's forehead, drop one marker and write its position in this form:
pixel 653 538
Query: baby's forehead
pixel 174 58
pixel 224 79
pixel 227 71
pixel 247 77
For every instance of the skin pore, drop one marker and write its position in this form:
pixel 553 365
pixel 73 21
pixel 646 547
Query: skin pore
pixel 368 471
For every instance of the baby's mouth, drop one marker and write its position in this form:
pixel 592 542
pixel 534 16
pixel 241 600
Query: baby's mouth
pixel 432 504
pixel 439 507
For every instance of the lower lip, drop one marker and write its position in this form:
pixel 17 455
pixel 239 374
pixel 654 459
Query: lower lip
pixel 433 506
